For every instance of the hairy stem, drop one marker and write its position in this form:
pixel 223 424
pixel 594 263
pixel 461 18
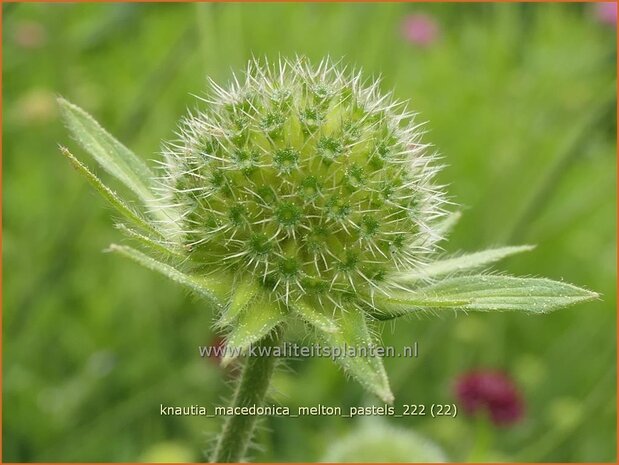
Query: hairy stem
pixel 250 390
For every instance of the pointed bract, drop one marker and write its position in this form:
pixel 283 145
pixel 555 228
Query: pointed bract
pixel 254 323
pixel 153 244
pixel 213 288
pixel 310 314
pixel 109 195
pixel 367 368
pixel 243 294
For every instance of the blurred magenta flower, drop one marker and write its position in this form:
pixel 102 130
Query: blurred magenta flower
pixel 606 12
pixel 420 29
pixel 492 392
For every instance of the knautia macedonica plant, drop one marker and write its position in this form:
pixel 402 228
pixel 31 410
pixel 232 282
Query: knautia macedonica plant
pixel 301 192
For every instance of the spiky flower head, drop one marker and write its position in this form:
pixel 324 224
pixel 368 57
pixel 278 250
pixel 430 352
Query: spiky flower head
pixel 303 192
pixel 305 179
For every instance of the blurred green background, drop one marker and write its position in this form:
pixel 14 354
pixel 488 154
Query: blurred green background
pixel 520 101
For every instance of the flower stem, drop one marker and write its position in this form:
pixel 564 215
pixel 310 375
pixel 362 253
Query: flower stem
pixel 250 390
pixel 482 441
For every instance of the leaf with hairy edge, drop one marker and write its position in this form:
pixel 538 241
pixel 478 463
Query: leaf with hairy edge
pixel 459 264
pixel 484 293
pixel 113 156
pixel 149 241
pixel 254 323
pixel 313 316
pixel 108 194
pixel 213 288
pixel 243 294
pixel 367 368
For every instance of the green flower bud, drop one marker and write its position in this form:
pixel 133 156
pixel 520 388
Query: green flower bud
pixel 296 175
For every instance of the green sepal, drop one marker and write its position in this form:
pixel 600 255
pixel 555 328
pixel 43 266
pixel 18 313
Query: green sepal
pixel 244 292
pixel 483 293
pixel 311 315
pixel 367 369
pixel 215 289
pixel 257 320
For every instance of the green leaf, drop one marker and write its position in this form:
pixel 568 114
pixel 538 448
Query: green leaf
pixel 149 242
pixel 215 289
pixel 108 194
pixel 313 316
pixel 484 293
pixel 113 156
pixel 254 323
pixel 367 368
pixel 243 294
pixel 459 264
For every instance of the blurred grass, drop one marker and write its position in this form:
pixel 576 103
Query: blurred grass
pixel 517 99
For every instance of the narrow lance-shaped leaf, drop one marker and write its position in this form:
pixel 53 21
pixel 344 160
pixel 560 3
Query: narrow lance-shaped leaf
pixel 254 323
pixel 458 264
pixel 213 288
pixel 149 241
pixel 113 156
pixel 483 293
pixel 364 365
pixel 108 194
pixel 313 316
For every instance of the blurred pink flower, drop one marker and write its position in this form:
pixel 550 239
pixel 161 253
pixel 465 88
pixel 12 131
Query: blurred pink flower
pixel 37 106
pixel 420 29
pixel 492 392
pixel 30 34
pixel 606 12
